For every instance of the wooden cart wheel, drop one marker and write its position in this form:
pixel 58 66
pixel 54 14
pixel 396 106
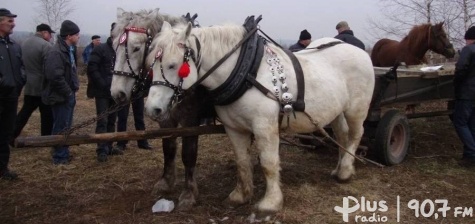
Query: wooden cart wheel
pixel 392 138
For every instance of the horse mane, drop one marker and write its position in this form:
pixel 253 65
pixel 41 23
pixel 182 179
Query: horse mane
pixel 145 19
pixel 229 35
pixel 416 36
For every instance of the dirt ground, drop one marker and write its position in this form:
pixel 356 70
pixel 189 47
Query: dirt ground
pixel 119 191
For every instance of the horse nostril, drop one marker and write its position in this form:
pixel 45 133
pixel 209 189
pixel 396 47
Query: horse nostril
pixel 122 97
pixel 158 111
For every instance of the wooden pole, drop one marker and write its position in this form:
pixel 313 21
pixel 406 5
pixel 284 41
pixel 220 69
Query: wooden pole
pixel 54 140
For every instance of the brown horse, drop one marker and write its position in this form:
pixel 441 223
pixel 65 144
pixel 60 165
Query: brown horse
pixel 413 47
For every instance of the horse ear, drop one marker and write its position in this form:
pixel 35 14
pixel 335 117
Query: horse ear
pixel 120 12
pixel 155 12
pixel 166 26
pixel 187 31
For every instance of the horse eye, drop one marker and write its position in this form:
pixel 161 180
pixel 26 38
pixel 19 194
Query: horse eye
pixel 136 49
pixel 171 67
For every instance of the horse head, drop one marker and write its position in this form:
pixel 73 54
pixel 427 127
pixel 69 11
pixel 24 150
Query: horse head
pixel 438 41
pixel 173 65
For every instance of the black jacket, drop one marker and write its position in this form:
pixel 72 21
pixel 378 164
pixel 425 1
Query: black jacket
pixel 12 73
pixel 348 37
pixel 296 47
pixel 464 79
pixel 99 70
pixel 61 80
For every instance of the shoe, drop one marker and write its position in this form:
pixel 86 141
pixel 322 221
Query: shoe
pixel 63 161
pixel 8 175
pixel 101 157
pixel 467 162
pixel 116 151
pixel 119 147
pixel 145 146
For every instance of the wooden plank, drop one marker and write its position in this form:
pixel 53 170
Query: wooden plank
pixel 53 140
pixel 414 71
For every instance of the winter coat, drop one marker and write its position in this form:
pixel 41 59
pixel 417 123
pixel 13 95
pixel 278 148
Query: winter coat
pixel 61 78
pixel 348 37
pixel 12 74
pixel 464 79
pixel 34 50
pixel 296 47
pixel 99 70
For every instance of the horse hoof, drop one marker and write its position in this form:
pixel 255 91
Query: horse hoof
pixel 259 217
pixel 231 204
pixel 161 186
pixel 186 201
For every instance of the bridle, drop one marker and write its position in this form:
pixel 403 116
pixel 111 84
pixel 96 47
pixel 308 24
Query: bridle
pixel 447 46
pixel 177 89
pixel 141 78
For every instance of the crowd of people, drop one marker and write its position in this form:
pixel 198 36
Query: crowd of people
pixel 47 74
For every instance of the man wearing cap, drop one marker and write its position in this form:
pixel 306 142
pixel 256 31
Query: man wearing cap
pixel 304 40
pixel 346 34
pixel 34 50
pixel 62 84
pixel 99 74
pixel 95 41
pixel 12 79
pixel 463 116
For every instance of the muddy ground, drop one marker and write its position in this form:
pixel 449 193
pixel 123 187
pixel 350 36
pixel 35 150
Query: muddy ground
pixel 119 191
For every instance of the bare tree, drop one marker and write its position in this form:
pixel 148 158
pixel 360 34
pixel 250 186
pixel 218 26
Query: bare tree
pixel 402 15
pixel 53 12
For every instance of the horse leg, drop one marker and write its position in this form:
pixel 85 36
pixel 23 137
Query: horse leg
pixel 340 129
pixel 167 182
pixel 267 141
pixel 190 192
pixel 243 191
pixel 355 133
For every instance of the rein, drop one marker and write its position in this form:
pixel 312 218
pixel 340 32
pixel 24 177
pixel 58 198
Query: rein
pixel 223 59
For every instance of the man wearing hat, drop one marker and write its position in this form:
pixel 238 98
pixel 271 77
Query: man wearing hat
pixel 95 40
pixel 99 75
pixel 12 80
pixel 346 34
pixel 62 84
pixel 463 116
pixel 34 50
pixel 304 40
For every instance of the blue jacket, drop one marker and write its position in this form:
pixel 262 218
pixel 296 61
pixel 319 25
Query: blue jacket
pixel 12 73
pixel 348 37
pixel 296 47
pixel 87 52
pixel 464 79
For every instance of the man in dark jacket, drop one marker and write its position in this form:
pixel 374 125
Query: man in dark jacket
pixel 99 74
pixel 464 111
pixel 304 40
pixel 346 34
pixel 62 84
pixel 12 80
pixel 34 50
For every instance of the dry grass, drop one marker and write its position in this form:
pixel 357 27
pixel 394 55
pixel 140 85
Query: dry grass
pixel 119 191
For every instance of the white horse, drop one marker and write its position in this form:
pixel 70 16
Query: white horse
pixel 339 83
pixel 131 36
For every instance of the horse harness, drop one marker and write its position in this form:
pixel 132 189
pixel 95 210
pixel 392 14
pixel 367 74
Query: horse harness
pixel 142 80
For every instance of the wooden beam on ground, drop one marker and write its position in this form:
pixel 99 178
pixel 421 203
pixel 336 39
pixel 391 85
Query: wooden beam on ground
pixel 54 140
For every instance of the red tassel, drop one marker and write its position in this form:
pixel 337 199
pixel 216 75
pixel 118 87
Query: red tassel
pixel 150 74
pixel 184 70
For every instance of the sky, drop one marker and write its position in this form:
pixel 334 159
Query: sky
pixel 282 19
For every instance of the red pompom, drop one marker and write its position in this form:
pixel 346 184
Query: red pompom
pixel 184 70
